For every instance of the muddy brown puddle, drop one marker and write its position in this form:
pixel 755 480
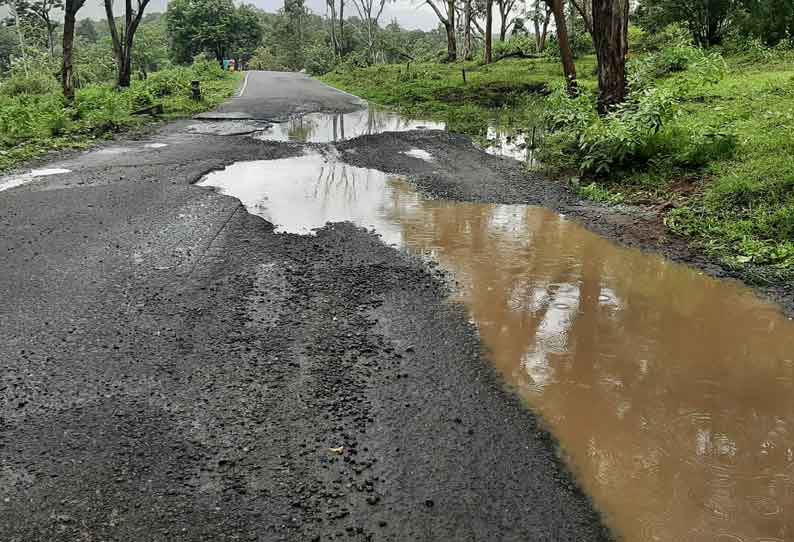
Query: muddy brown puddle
pixel 671 393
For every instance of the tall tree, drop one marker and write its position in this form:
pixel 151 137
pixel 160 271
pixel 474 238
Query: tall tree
pixel 369 11
pixel 566 54
pixel 42 12
pixel 707 20
pixel 71 8
pixel 541 16
pixel 610 36
pixel 9 47
pixel 488 53
pixel 218 28
pixel 332 19
pixel 505 9
pixel 584 7
pixel 446 14
pixel 16 20
pixel 123 42
pixel 467 23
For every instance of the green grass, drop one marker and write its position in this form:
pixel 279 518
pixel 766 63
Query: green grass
pixel 505 92
pixel 737 206
pixel 33 124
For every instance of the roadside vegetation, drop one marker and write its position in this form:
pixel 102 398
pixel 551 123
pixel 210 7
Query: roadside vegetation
pixel 684 105
pixel 703 133
pixel 38 114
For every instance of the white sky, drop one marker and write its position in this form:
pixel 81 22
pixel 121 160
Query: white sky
pixel 410 14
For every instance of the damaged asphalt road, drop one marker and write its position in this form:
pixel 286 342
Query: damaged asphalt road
pixel 174 370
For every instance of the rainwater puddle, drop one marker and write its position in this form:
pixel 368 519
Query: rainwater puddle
pixel 519 145
pixel 672 393
pixel 330 127
pixel 18 180
pixel 419 153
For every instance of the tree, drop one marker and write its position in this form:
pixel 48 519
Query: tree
pixel 505 8
pixel 67 69
pixel 707 20
pixel 248 34
pixel 541 16
pixel 9 47
pixel 215 27
pixel 568 66
pixel 467 22
pixel 151 48
pixel 584 7
pixel 369 11
pixel 87 30
pixel 772 21
pixel 488 54
pixel 610 36
pixel 42 12
pixel 16 21
pixel 289 34
pixel 123 42
pixel 446 14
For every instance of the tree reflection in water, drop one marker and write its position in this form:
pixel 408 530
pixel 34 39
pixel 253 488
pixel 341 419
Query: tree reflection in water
pixel 670 392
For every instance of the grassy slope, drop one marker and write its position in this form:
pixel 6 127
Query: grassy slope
pixel 739 209
pixel 34 125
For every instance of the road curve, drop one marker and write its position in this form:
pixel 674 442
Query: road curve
pixel 172 370
pixel 279 95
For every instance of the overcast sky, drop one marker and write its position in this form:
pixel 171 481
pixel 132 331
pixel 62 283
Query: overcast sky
pixel 409 13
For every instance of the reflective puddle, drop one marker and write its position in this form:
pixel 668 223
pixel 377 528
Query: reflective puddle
pixel 671 393
pixel 330 127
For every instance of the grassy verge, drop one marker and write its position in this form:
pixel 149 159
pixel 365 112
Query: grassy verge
pixel 35 120
pixel 507 92
pixel 719 164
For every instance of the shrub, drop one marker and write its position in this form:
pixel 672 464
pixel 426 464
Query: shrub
pixel 263 59
pixel 206 67
pixel 34 82
pixel 320 59
pixel 673 35
pixel 517 45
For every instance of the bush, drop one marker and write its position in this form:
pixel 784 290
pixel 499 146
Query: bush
pixel 206 67
pixel 320 59
pixel 34 83
pixel 263 59
pixel 673 35
pixel 516 45
pixel 640 133
pixel 695 66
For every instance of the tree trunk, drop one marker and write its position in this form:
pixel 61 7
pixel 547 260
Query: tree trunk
pixel 488 31
pixel 545 33
pixel 610 36
pixel 568 66
pixel 587 14
pixel 67 69
pixel 467 49
pixel 452 45
pixel 503 25
pixel 125 70
pixel 332 12
pixel 342 44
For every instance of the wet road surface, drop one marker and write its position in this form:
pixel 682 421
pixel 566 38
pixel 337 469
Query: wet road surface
pixel 173 369
pixel 670 391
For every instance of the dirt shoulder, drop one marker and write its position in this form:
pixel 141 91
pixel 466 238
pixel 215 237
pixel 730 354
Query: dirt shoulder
pixel 460 171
